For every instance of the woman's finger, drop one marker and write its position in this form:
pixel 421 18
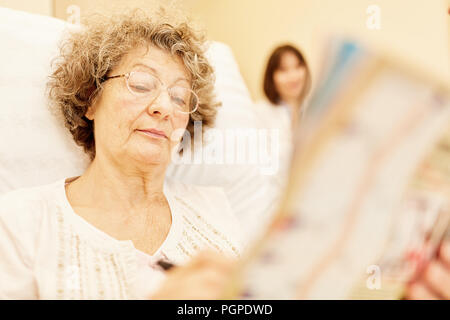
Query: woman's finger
pixel 444 253
pixel 212 259
pixel 437 277
pixel 419 291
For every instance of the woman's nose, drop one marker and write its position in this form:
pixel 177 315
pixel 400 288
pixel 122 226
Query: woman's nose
pixel 161 106
pixel 293 74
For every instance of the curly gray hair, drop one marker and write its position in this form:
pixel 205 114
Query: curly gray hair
pixel 88 55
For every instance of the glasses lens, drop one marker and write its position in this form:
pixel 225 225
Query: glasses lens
pixel 143 84
pixel 146 87
pixel 183 99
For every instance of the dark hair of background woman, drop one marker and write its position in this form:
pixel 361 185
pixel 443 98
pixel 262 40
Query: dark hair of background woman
pixel 274 63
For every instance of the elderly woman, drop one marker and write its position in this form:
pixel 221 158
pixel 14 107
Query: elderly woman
pixel 127 88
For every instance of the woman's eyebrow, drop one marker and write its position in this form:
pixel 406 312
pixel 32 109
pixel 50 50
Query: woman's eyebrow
pixel 182 79
pixel 154 71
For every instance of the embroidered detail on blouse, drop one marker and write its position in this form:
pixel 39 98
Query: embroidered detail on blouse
pixel 84 272
pixel 208 227
pixel 60 259
pixel 83 264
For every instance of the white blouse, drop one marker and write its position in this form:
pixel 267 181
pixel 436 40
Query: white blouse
pixel 47 251
pixel 277 117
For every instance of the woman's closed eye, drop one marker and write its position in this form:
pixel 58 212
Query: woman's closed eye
pixel 180 96
pixel 141 88
pixel 179 101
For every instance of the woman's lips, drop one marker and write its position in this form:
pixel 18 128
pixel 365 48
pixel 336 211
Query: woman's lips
pixel 154 133
pixel 293 85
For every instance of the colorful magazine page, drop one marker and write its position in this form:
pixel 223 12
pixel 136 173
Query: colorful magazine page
pixel 367 203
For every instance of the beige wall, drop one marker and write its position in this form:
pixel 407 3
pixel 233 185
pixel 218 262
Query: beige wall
pixel 44 7
pixel 415 31
pixel 104 6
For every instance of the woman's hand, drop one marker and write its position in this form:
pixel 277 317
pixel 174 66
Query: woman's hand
pixel 434 282
pixel 203 278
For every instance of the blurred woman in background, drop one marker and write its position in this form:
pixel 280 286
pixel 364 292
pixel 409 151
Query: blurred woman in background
pixel 287 81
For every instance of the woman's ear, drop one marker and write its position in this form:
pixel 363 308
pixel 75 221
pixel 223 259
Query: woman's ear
pixel 90 112
pixel 91 109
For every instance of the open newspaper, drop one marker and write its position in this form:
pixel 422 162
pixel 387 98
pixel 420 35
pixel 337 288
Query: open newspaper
pixel 368 200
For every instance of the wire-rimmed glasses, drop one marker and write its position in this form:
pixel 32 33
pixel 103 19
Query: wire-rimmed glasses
pixel 147 87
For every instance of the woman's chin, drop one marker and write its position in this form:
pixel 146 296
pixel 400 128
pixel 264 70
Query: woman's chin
pixel 293 95
pixel 152 154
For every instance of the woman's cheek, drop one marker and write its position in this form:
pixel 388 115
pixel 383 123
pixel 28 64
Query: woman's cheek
pixel 277 80
pixel 180 123
pixel 280 83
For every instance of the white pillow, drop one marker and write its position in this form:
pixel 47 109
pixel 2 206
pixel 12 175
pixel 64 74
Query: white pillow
pixel 34 147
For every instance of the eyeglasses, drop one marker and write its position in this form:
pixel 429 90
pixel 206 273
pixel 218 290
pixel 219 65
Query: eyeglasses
pixel 146 88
